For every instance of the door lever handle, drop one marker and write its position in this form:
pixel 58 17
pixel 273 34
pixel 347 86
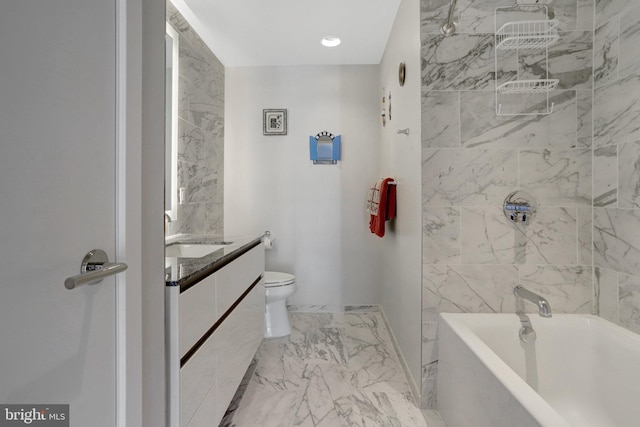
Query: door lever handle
pixel 95 267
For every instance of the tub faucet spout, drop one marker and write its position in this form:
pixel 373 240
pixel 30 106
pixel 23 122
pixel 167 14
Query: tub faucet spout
pixel 544 308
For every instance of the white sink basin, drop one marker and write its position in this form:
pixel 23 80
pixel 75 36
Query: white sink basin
pixel 191 250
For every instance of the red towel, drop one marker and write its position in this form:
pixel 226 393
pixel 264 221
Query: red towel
pixel 386 208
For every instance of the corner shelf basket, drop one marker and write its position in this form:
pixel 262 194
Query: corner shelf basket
pixel 525 34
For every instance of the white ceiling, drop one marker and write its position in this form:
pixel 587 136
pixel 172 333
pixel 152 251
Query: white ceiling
pixel 288 32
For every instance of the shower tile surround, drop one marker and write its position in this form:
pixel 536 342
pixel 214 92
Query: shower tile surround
pixel 472 158
pixel 200 132
pixel 582 164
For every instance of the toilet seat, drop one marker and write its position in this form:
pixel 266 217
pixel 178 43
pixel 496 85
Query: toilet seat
pixel 273 279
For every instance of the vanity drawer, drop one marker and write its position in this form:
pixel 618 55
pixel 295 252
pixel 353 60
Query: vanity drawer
pixel 198 381
pixel 226 355
pixel 235 278
pixel 197 312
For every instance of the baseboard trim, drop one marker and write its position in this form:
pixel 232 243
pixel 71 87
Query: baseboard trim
pixel 412 383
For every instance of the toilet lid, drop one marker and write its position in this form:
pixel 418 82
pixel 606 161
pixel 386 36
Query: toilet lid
pixel 275 278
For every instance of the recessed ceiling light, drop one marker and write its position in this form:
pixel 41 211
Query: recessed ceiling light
pixel 330 41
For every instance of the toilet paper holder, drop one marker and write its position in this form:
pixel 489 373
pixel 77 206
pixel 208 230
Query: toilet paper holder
pixel 267 240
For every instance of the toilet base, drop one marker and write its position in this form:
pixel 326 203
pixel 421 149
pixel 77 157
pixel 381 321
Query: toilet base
pixel 276 318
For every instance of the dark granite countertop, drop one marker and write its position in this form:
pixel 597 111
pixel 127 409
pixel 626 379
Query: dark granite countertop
pixel 184 272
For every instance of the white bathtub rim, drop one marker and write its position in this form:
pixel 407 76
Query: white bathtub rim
pixel 533 403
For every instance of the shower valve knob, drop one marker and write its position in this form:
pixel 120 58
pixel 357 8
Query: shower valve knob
pixel 519 207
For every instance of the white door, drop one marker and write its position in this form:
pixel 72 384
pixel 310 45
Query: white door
pixel 58 134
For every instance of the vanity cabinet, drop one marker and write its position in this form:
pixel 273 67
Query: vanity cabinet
pixel 214 329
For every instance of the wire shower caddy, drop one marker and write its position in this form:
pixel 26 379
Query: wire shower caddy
pixel 525 34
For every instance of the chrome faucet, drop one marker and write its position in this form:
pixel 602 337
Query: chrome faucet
pixel 167 222
pixel 544 309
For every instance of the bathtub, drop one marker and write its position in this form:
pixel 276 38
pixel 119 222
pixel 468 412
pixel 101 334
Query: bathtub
pixel 581 371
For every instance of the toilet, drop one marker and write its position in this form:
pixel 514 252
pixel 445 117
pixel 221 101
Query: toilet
pixel 278 286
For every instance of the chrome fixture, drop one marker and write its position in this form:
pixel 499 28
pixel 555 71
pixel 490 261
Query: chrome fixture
pixel 449 27
pixel 95 267
pixel 526 333
pixel 519 207
pixel 167 222
pixel 544 309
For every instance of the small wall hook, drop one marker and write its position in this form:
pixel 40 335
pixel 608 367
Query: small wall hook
pixel 403 131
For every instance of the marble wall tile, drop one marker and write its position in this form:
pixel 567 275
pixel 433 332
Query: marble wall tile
pixel 429 364
pixel 468 289
pixel 584 106
pixel 474 268
pixel 206 98
pixel 585 15
pixel 605 288
pixel 629 305
pixel 441 235
pixel 629 175
pixel 606 52
pixel 570 60
pixel 617 112
pixel 489 238
pixel 569 289
pixel 183 98
pixel 459 62
pixel 616 241
pixel 191 218
pixel 585 235
pixel 430 393
pixel 468 177
pixel 191 143
pixel 433 13
pixel 184 29
pixel 214 215
pixel 481 127
pixel 605 176
pixel 441 119
pixel 557 177
pixel 192 61
pixel 551 237
pixel 200 132
pixel 607 9
pixel 565 11
pixel 429 349
pixel 478 16
pixel 202 183
pixel 630 42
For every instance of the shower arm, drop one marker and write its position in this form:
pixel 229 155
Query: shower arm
pixel 449 27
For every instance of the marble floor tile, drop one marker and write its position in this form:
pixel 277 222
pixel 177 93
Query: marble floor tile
pixel 334 370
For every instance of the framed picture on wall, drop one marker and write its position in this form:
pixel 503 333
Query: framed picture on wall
pixel 274 121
